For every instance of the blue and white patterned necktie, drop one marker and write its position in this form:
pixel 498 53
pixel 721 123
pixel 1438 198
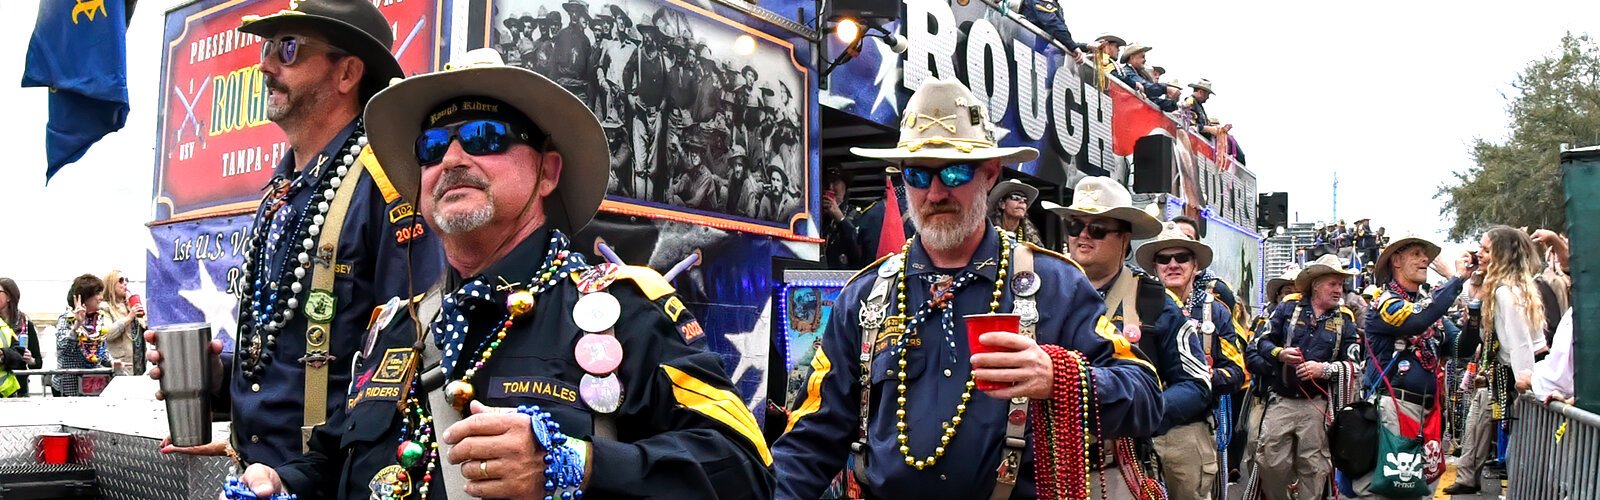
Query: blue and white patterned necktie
pixel 450 328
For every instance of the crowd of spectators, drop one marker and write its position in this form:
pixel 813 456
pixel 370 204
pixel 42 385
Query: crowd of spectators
pixel 102 327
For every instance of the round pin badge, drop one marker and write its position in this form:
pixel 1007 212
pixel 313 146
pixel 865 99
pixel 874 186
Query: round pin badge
pixel 1208 328
pixel 1405 366
pixel 596 312
pixel 890 266
pixel 602 394
pixel 1132 333
pixel 598 354
pixel 1025 284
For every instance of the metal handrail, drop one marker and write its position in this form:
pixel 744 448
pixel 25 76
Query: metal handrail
pixel 1551 452
pixel 66 371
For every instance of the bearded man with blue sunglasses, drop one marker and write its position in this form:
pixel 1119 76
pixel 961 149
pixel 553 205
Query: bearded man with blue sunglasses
pixel 895 379
pixel 331 238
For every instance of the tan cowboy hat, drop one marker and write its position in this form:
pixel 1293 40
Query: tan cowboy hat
pixel 1171 237
pixel 1113 38
pixel 1012 186
pixel 1202 84
pixel 1101 196
pixel 1275 285
pixel 395 117
pixel 944 121
pixel 1133 50
pixel 1380 267
pixel 1323 266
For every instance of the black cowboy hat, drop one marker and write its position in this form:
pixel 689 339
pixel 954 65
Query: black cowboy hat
pixel 354 26
pixel 576 8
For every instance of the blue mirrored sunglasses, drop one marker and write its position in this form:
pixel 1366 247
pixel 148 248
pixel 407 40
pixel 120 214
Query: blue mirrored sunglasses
pixel 953 175
pixel 478 137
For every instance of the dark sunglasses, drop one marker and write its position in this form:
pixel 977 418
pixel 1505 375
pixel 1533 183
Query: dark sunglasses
pixel 1096 231
pixel 122 280
pixel 954 175
pixel 288 48
pixel 478 138
pixel 1182 258
pixel 1017 197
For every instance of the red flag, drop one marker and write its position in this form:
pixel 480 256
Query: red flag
pixel 1132 118
pixel 892 236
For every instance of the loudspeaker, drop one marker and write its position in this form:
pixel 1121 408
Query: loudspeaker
pixel 1152 164
pixel 866 9
pixel 1272 209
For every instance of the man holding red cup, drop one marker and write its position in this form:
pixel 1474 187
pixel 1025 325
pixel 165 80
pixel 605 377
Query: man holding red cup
pixel 969 365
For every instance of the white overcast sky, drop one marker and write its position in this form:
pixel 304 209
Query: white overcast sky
pixel 1388 94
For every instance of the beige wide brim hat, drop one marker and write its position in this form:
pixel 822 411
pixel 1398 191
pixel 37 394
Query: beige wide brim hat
pixel 1323 266
pixel 1171 237
pixel 394 120
pixel 1012 186
pixel 1380 267
pixel 944 121
pixel 1203 84
pixel 1275 285
pixel 1134 50
pixel 1104 197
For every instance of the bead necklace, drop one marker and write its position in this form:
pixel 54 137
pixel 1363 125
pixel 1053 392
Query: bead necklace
pixel 416 439
pixel 1061 428
pixel 271 303
pixel 559 264
pixel 966 394
pixel 563 469
pixel 1425 342
pixel 91 339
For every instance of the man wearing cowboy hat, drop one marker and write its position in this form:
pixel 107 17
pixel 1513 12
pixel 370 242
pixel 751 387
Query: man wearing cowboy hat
pixel 1176 260
pixel 1101 225
pixel 1008 209
pixel 1407 336
pixel 1366 242
pixel 1132 72
pixel 1196 104
pixel 897 375
pixel 1108 49
pixel 330 237
pixel 1310 343
pixel 1219 287
pixel 573 380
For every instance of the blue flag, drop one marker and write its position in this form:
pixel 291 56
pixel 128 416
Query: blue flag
pixel 79 50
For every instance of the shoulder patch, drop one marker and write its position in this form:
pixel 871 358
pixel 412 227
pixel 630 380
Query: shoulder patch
pixel 648 280
pixel 1345 310
pixel 400 211
pixel 1394 310
pixel 1055 254
pixel 1289 297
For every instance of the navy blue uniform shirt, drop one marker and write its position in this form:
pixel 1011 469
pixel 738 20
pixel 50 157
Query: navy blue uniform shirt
pixel 372 264
pixel 682 430
pixel 1071 315
pixel 1329 337
pixel 1399 317
pixel 1225 351
pixel 1174 347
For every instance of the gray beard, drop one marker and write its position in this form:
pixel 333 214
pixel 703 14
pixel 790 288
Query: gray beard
pixel 943 236
pixel 458 223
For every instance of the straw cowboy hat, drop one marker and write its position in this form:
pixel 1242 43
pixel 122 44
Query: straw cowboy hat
pixel 396 116
pixel 1171 237
pixel 1323 266
pixel 1104 37
pixel 1380 268
pixel 1275 285
pixel 1133 50
pixel 1103 197
pixel 1203 84
pixel 354 26
pixel 944 121
pixel 1001 190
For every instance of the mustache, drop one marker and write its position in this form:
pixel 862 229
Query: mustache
pixel 455 178
pixel 944 207
pixel 274 85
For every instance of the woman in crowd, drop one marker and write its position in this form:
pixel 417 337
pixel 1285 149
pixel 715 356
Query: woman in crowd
pixel 125 340
pixel 1512 316
pixel 81 338
pixel 19 346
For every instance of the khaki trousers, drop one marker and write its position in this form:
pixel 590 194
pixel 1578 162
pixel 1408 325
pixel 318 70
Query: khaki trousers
pixel 1478 445
pixel 1363 485
pixel 1188 460
pixel 1293 449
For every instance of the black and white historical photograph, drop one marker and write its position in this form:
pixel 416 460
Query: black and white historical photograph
pixel 701 114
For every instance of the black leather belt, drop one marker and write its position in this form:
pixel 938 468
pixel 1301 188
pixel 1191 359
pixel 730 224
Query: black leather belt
pixel 1419 399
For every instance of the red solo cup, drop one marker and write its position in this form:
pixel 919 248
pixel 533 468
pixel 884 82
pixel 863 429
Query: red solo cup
pixel 53 447
pixel 979 324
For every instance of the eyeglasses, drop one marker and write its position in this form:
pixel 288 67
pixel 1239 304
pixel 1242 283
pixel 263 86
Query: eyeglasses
pixel 288 48
pixel 1017 197
pixel 122 280
pixel 1096 231
pixel 1182 258
pixel 478 138
pixel 953 175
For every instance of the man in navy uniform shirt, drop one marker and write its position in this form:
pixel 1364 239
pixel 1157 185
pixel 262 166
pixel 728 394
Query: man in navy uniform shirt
pixel 331 238
pixel 629 403
pixel 921 427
